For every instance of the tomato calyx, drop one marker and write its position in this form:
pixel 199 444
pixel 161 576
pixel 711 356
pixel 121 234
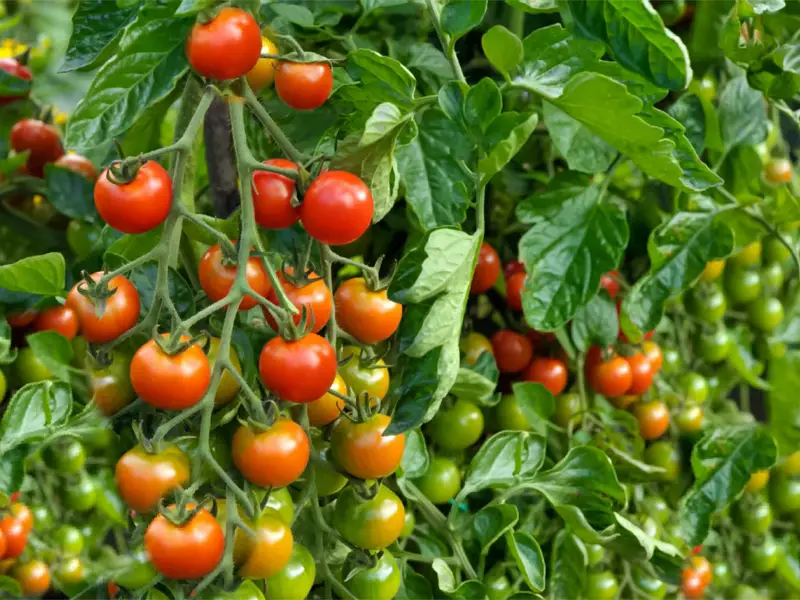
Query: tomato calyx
pixel 172 345
pixel 96 291
pixel 183 511
pixel 122 172
pixel 358 560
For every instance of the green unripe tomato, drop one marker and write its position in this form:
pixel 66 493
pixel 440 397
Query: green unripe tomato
pixel 458 427
pixel 784 493
pixel 765 313
pixel 762 557
pixel 567 407
pixel 707 87
pixel 756 518
pixel 690 418
pixel 30 368
pixel 672 361
pixel 722 577
pixel 409 524
pixel 68 539
pixel 652 586
pixel 136 571
pixel 745 592
pixel 296 579
pixel 773 277
pixel 601 586
pixel 70 571
pixel 595 553
pixel 508 415
pixel 714 346
pixel 381 582
pixel 328 480
pixel 81 495
pixel 748 256
pixel 742 285
pixel 657 508
pixel 665 455
pixel 767 349
pixel 42 518
pixel 695 387
pixel 497 585
pixel 280 500
pixel 774 251
pixel 706 303
pixel 441 482
pixel 67 456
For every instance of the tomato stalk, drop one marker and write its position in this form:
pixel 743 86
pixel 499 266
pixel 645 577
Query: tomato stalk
pixel 274 130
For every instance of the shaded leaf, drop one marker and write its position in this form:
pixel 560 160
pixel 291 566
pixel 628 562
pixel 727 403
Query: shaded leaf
pixel 504 459
pixel 582 149
pixel 528 556
pixel 35 410
pixel 97 26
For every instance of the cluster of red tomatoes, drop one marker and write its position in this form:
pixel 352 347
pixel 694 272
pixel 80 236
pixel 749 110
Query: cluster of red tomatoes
pixel 33 576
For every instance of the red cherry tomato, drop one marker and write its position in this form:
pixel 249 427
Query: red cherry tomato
pixel 61 319
pixel 363 449
pixel 137 206
pixel 13 530
pixel 642 373
pixel 367 315
pixel 514 286
pixel 217 277
pixel 298 371
pixel 119 315
pixel 15 69
pixel 610 281
pixel 512 351
pixel 513 267
pixel 22 319
pixel 78 164
pixel 486 271
pixel 303 86
pixel 692 587
pixel 272 458
pixel 272 196
pixel 315 296
pixel 337 208
pixel 226 47
pixel 550 372
pixel 612 377
pixel 40 139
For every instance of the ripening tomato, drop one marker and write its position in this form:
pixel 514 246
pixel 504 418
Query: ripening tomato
pixel 514 287
pixel 298 371
pixel 642 373
pixel 70 571
pixel 315 296
pixel 78 164
pixel 550 372
pixel 337 208
pixel 217 275
pixel 665 455
pixel 187 551
pixel 61 319
pixel 368 315
pixel 226 47
pixel 303 86
pixel 68 540
pixel 272 196
pixel 268 551
pixel 139 205
pixel 692 586
pixel 120 311
pixel 38 138
pixel 370 524
pixel 143 478
pixel 170 382
pixel 712 270
pixel 16 69
pixel 16 537
pixel 295 580
pixel 473 345
pixel 690 419
pixel 456 427
pixel 263 73
pixel 33 577
pixel 371 379
pixel 364 450
pixel 23 514
pixel 653 419
pixel 512 351
pixel 110 387
pixel 487 270
pixel 653 353
pixel 757 481
pixel 778 170
pixel 274 457
pixel 325 410
pixel 612 377
pixel 381 582
pixel 441 482
pixel 228 386
pixel 610 281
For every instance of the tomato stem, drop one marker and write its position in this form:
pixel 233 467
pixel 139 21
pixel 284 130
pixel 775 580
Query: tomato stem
pixel 272 128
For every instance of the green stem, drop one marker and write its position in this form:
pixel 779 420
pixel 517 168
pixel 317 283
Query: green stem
pixel 327 256
pixel 517 22
pixel 272 128
pixel 444 40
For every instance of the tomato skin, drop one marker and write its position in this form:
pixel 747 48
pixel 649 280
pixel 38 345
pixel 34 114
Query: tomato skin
pixel 170 382
pixel 67 457
pixel 70 571
pixel 69 540
pixel 713 270
pixel 228 385
pixel 33 577
pixel 497 585
pixel 16 537
pixel 296 579
pixel 692 586
pixel 272 196
pixel 372 524
pixel 784 493
pixel 610 281
pixel 272 458
pixel 695 386
pixel 757 481
pixel 778 170
pixel 110 387
pixel 715 346
pixel 303 86
pixel 742 286
pixel 652 586
pixel 441 482
pixel 791 464
pixel 690 419
pixel 325 410
pixel 473 345
pixel 226 47
pixel 512 351
pixel 364 451
pixel 188 552
pixel 708 305
pixel 22 319
pixel 337 208
pixel 508 416
pixel 514 286
pixel 457 427
pixel 382 582
pixel 602 585
pixel 138 206
pixel 612 377
pixel 61 319
pixel 665 455
pixel 16 69
pixel 653 353
pixel 513 267
pixel 24 515
pixel 755 518
pixel 550 372
pixel 327 479
pixel 265 554
pixel 369 316
pixel 144 478
pixel 315 296
pixel 373 381
pixel 300 371
pixel 261 75
pixel 763 557
pixel 774 251
pixel 487 270
pixel 765 313
pixel 217 278
pixel 120 314
pixel 30 367
pixel 81 496
pixel 568 408
pixel 40 139
pixel 653 419
pixel 78 164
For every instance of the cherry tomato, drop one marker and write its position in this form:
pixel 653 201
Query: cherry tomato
pixel 762 557
pixel 754 517
pixel 550 372
pixel 16 69
pixel 473 345
pixel 22 319
pixel 642 373
pixel 441 482
pixel 266 553
pixel 757 481
pixel 748 256
pixel 272 458
pixel 190 551
pixel 81 237
pixel 791 464
pixel 672 360
pixel 612 377
pixel 138 206
pixel 81 496
pixel 110 387
pixel 78 164
pixel 513 267
pixel 364 451
pixel 69 540
pixel 652 587
pixel 690 419
pixel 61 319
pixel 653 419
pixel 512 351
pixel 568 410
pixel 714 346
pixel 595 554
pixel 30 367
pixel 765 313
pixel 272 196
pixel 23 514
pixel 120 312
pixel 624 401
pixel 784 493
pixel 372 380
pixel 217 277
pixel 514 287
pixel 370 524
pixel 328 480
pixel 653 353
pixel 692 585
pixel 457 427
pixel 295 580
pixel 228 387
pixel 721 575
pixel 497 585
pixel 304 86
pixel 337 208
pixel 778 170
pixel 369 316
pixel 67 456
pixel 70 571
pixel 16 537
pixel 602 585
pixel 695 386
pixel 170 382
pixel 408 525
pixel 144 478
pixel 656 507
pixel 38 138
pixel 298 371
pixel 774 251
pixel 3 386
pixel 773 277
pixel 610 281
pixel 742 285
pixel 713 270
pixel 33 577
pixel 315 296
pixel 325 410
pixel 381 582
pixel 508 416
pixel 707 303
pixel 263 73
pixel 226 47
pixel 487 270
pixel 665 455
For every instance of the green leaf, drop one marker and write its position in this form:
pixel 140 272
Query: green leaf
pixel 503 49
pixel 229 227
pixel 679 250
pixel 784 410
pixel 766 6
pixel 477 382
pixel 294 13
pixel 10 586
pixel 688 111
pixel 535 6
pixel 182 294
pixel 190 7
pixel 528 556
pixel 13 86
pixel 742 115
pixel 129 247
pixel 43 275
pixel 13 163
pixel 71 193
pixel 415 455
pixel 536 402
pixel 582 149
pixel 567 567
pixel 35 410
pixel 12 470
pixel 444 575
pixel 788 567
pixel 460 16
pixel 722 463
pixel 574 238
pixel 637 37
pixel 97 26
pixel 493 522
pixel 471 589
pixel 482 104
pixel 742 360
pixel 414 587
pixel 506 135
pixel 150 62
pixel 381 79
pixel 504 459
pixel 54 350
pixel 595 323
pixel 778 76
pixel 437 188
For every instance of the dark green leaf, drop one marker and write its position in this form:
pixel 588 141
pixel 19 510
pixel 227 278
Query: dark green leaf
pixel 414 587
pixel 536 402
pixel 471 589
pixel 10 586
pixel 71 193
pixel 742 360
pixel 742 115
pixel 595 323
pixel 493 522
pixel 12 470
pixel 788 567
pixel 535 6
pixel 109 502
pixel 506 135
pixel 229 226
pixel 567 567
pixel 504 459
pixel 382 79
pixel 784 410
pixel 54 350
pixel 688 111
pixel 502 48
pixel 482 104
pixel 417 392
pixel 190 7
pixel 459 16
pixel 43 275
pixel 451 101
pixel 415 455
pixel 528 556
pixel 583 150
pixel 96 28
pixel 180 291
pixel 36 409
